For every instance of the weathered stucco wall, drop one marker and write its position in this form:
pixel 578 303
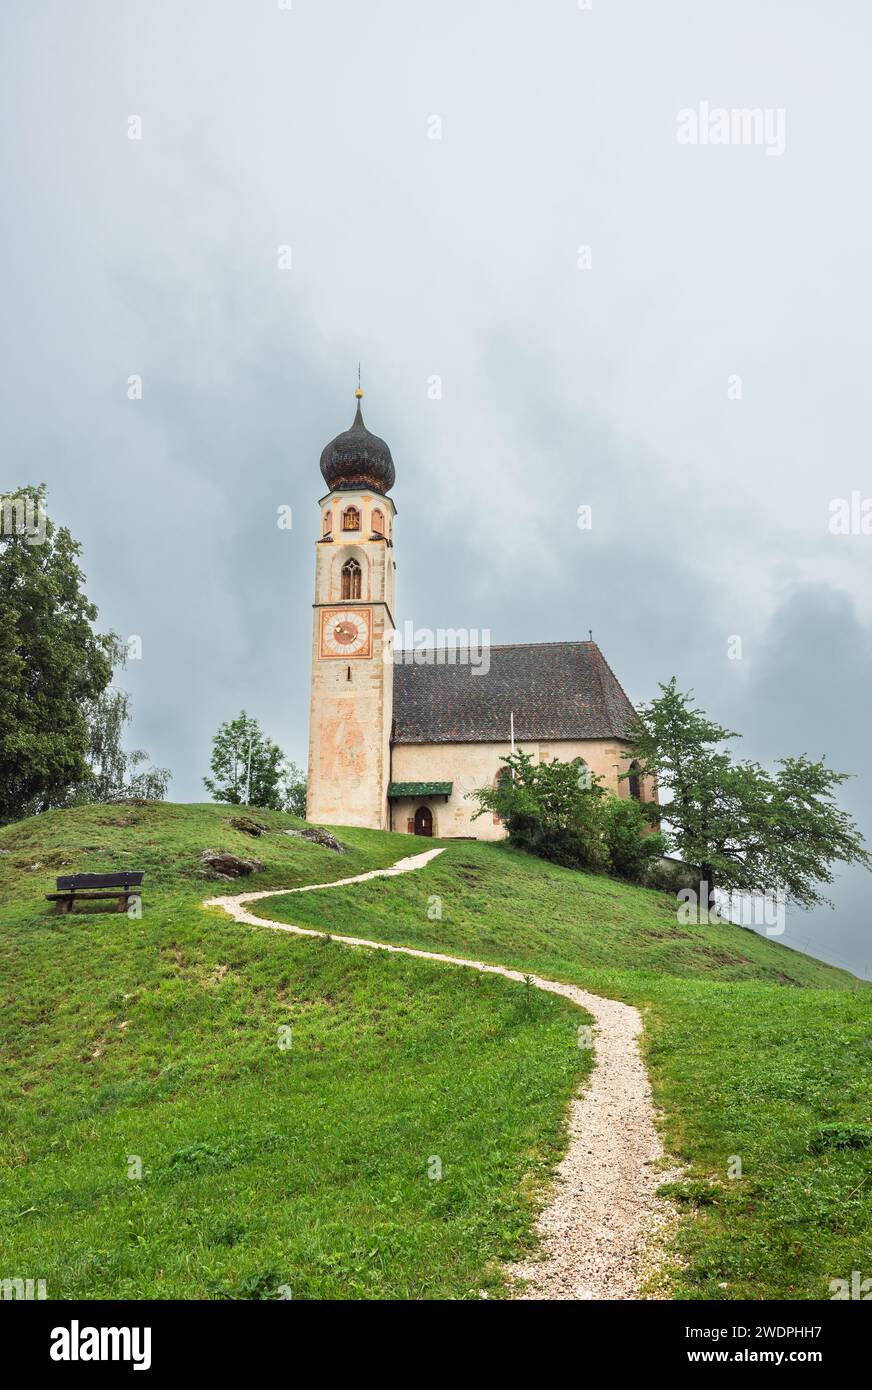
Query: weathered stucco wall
pixel 472 765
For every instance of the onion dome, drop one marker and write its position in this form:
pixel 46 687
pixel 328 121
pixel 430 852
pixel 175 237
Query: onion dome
pixel 358 459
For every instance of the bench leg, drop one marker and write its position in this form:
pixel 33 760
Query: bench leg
pixel 62 906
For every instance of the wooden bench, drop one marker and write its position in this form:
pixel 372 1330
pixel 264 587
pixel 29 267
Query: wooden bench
pixel 73 888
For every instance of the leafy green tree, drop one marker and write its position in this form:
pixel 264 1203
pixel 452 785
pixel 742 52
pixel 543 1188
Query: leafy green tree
pixel 551 809
pixel 742 827
pixel 294 788
pixel 631 848
pixel 52 662
pixel 115 774
pixel 246 765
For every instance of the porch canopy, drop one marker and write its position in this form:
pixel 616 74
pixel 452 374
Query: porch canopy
pixel 419 790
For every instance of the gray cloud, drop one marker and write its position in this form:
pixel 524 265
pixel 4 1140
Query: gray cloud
pixel 455 257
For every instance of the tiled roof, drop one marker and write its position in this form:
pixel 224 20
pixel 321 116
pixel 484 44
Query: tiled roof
pixel 554 689
pixel 397 789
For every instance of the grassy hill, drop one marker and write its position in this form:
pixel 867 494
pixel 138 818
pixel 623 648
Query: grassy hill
pixel 310 1165
pixel 307 1166
pixel 755 1051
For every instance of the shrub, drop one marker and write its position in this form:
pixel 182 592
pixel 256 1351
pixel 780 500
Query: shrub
pixel 562 812
pixel 631 852
pixel 550 809
pixel 574 849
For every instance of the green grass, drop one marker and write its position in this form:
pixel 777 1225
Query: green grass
pixel 756 1052
pixel 307 1166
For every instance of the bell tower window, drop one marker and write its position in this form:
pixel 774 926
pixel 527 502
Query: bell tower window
pixel 351 519
pixel 378 522
pixel 351 580
pixel 327 523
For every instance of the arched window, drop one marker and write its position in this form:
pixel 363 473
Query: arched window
pixel 351 519
pixel 351 578
pixel 327 523
pixel 378 522
pixel 634 782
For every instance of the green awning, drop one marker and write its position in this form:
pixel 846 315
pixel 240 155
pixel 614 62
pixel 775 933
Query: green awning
pixel 397 789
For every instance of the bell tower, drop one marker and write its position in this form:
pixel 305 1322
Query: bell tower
pixel 351 707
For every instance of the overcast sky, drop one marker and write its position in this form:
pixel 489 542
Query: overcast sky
pixel 569 377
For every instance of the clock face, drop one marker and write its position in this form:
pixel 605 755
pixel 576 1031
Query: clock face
pixel 345 632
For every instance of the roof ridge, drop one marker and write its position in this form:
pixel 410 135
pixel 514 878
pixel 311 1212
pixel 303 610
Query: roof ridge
pixel 513 646
pixel 617 683
pixel 599 675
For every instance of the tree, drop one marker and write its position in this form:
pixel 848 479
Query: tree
pixel 743 828
pixel 113 774
pixel 294 788
pixel 631 849
pixel 551 809
pixel 561 811
pixel 246 765
pixel 52 662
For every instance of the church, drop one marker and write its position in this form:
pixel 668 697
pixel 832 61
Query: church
pixel 397 740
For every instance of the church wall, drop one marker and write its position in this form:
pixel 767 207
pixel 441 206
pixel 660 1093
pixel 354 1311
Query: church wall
pixel 472 765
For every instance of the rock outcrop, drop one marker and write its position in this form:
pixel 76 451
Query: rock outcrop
pixel 220 863
pixel 318 836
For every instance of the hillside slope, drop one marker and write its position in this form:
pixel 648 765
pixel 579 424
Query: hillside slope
pixel 341 1124
pixel 310 1167
pixel 760 1057
pixel 526 911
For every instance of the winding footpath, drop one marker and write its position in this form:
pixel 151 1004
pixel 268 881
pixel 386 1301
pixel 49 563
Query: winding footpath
pixel 602 1229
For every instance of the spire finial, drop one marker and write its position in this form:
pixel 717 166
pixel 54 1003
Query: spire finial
pixel 358 393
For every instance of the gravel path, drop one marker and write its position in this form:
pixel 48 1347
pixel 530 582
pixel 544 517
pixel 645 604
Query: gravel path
pixel 602 1228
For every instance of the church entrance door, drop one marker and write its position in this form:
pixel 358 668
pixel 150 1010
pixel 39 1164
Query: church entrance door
pixel 423 821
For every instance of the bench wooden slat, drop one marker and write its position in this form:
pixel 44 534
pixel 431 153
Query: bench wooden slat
pixel 124 879
pixel 74 897
pixel 122 886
